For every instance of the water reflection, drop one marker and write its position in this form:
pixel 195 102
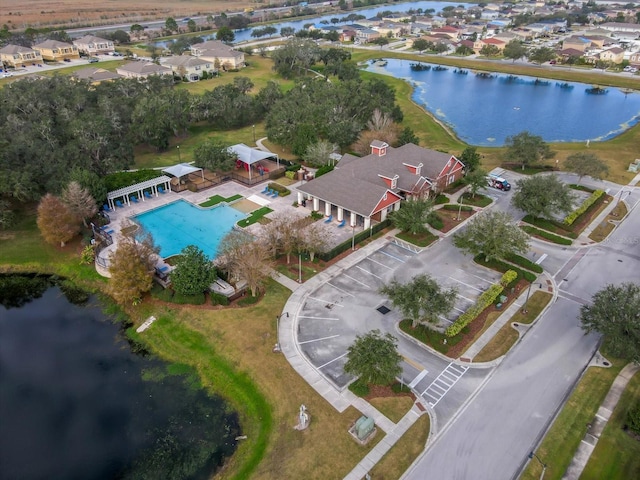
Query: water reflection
pixel 76 403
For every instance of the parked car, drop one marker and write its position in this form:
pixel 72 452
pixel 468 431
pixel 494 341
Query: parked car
pixel 67 60
pixel 93 60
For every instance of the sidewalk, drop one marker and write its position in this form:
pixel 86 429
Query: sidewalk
pixel 590 440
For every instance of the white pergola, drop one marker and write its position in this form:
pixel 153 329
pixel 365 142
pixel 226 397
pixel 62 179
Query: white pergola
pixel 138 189
pixel 250 155
pixel 182 169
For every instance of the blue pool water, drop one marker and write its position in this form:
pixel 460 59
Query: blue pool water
pixel 179 224
pixel 485 111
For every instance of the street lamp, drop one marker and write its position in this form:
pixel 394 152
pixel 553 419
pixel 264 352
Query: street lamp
pixel 353 237
pixel 532 455
pixel 459 207
pixel 299 267
pixel 622 191
pixel 179 156
pixel 524 307
pixel 276 348
pixel 254 133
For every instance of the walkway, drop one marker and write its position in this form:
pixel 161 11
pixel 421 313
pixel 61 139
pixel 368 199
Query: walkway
pixel 590 440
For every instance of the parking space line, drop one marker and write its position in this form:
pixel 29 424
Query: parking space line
pixel 419 377
pixel 466 298
pixel 357 281
pixel 541 259
pixel 328 302
pixel 321 318
pixel 318 339
pixel 338 288
pixel 392 256
pixel 465 284
pixel 459 309
pixel 474 275
pixel 367 271
pixel 331 361
pixel 444 319
pixel 381 264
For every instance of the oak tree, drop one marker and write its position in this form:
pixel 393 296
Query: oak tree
pixel 374 358
pixel 56 222
pixel 194 272
pixel 543 196
pixel 79 202
pixel 586 163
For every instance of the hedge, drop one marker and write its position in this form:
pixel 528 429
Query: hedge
pixel 346 245
pixel 484 300
pixel 453 206
pixel 324 169
pixel 218 299
pixel 524 263
pixel 436 222
pixel 503 267
pixel 282 190
pixel 582 188
pixel 160 293
pixel 197 299
pixel 115 181
pixel 550 225
pixel 547 235
pixel 440 199
pixel 593 198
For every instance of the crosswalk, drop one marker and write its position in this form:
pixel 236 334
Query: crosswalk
pixel 443 383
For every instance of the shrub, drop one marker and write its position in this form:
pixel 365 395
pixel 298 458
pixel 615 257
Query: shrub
pixel 346 245
pixel 453 206
pixel 435 221
pixel 508 277
pixel 359 388
pixel 546 235
pixel 503 267
pixel 524 263
pixel 248 300
pixel 114 181
pixel 440 199
pixel 484 300
pixel 282 190
pixel 219 299
pixel 582 188
pixel 197 299
pixel 290 175
pixel 593 198
pixel 316 215
pixel 160 293
pixel 633 418
pixel 324 169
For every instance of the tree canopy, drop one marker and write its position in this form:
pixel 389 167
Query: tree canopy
pixel 422 300
pixel 194 272
pixel 527 149
pixel 471 158
pixel 374 358
pixel 493 234
pixel 56 222
pixel 543 196
pixel 586 164
pixel 413 215
pixel 615 313
pixel 514 50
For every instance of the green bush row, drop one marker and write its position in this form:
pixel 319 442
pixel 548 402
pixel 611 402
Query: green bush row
pixel 180 299
pixel 503 267
pixel 281 189
pixel 435 221
pixel 218 299
pixel 344 246
pixel 324 169
pixel 593 198
pixel 547 235
pixel 441 199
pixel 115 181
pixel 484 300
pixel 550 225
pixel 524 263
pixel 453 206
pixel 582 188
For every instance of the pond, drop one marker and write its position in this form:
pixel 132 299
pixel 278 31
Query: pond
pixel 77 402
pixel 484 109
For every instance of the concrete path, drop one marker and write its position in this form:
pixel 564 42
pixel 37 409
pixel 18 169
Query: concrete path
pixel 590 440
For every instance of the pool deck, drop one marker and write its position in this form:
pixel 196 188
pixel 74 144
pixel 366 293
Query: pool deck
pixel 279 205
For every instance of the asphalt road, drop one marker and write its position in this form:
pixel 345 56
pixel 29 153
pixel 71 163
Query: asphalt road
pixel 492 436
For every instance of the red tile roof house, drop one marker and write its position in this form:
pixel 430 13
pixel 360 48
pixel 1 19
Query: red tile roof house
pixel 369 188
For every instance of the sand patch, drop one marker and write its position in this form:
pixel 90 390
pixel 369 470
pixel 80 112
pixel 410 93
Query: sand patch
pixel 245 206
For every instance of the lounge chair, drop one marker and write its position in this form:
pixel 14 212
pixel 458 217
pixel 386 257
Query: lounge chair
pixel 119 204
pixel 161 190
pixel 275 194
pixel 147 195
pixel 266 190
pixel 133 198
pixel 106 208
pixel 329 219
pixel 342 223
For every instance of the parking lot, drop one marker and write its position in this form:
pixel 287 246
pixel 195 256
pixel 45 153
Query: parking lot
pixel 348 304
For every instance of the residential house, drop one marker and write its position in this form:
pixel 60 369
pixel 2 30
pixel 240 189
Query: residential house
pixel 56 51
pixel 613 55
pixel 576 43
pixel 365 35
pixel 91 45
pixel 634 59
pixel 365 189
pixel 451 32
pixel 142 69
pixel 621 27
pixel 499 44
pixel 395 30
pixel 17 56
pixel 189 67
pixel 220 54
pixel 95 75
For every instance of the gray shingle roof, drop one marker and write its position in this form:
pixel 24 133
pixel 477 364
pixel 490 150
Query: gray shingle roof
pixel 185 61
pixel 143 68
pixel 11 49
pixel 95 74
pixel 52 44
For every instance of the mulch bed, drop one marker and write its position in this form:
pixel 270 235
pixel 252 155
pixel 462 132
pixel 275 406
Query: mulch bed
pixel 478 324
pixel 449 218
pixel 377 391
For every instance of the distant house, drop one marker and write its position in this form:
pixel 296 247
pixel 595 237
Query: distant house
pixel 91 45
pixel 56 51
pixel 16 56
pixel 499 44
pixel 95 75
pixel 215 51
pixel 621 27
pixel 613 55
pixel 367 189
pixel 634 59
pixel 364 35
pixel 189 67
pixel 142 69
pixel 576 43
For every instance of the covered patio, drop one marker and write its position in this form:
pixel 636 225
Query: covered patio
pixel 188 177
pixel 139 191
pixel 252 164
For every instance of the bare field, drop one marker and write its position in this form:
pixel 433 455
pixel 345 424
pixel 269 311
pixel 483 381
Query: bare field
pixel 18 14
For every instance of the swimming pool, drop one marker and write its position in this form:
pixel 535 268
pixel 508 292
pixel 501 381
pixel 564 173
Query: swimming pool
pixel 178 224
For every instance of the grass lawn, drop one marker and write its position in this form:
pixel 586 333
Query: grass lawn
pixel 564 436
pixel 216 199
pixel 404 452
pixel 421 240
pixel 254 217
pixel 507 335
pixel 603 230
pixel 617 455
pixel 478 201
pixel 394 408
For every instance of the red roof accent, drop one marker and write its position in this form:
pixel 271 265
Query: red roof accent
pixel 384 203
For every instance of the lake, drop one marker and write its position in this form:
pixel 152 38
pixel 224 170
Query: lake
pixel 77 402
pixel 485 110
